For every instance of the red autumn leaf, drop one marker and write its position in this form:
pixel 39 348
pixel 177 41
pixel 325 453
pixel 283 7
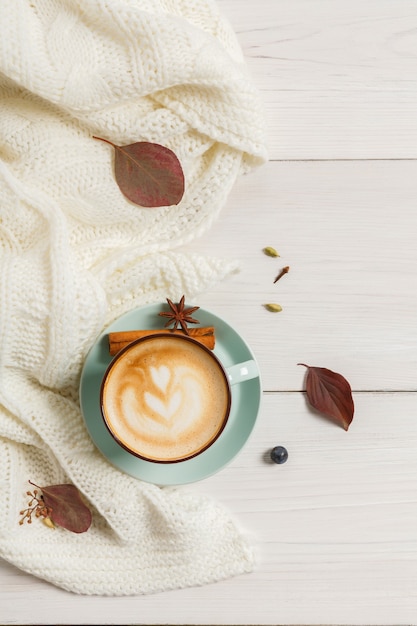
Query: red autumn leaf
pixel 148 174
pixel 330 394
pixel 66 507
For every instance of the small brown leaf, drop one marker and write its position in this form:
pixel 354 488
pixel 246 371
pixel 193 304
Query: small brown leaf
pixel 330 394
pixel 66 507
pixel 148 174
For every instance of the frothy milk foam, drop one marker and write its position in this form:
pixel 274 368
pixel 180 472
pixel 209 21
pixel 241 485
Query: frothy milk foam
pixel 166 399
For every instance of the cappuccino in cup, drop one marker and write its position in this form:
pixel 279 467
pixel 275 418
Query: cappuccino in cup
pixel 165 398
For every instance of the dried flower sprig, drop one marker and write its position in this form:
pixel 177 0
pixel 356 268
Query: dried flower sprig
pixel 36 506
pixel 59 505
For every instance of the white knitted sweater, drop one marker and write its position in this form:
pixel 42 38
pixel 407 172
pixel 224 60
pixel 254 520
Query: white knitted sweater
pixel 75 254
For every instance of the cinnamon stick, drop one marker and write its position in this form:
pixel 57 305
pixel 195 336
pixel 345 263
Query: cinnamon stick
pixel 120 339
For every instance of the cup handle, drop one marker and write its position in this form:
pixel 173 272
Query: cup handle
pixel 242 371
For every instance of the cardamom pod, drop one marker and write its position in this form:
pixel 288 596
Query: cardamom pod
pixel 48 522
pixel 269 251
pixel 274 308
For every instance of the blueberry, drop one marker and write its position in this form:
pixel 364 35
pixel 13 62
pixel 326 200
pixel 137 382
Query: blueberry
pixel 279 454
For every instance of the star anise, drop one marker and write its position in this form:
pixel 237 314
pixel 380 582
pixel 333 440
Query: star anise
pixel 179 315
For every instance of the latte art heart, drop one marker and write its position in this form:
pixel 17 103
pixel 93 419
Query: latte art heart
pixel 160 376
pixel 169 412
pixel 166 399
pixel 165 408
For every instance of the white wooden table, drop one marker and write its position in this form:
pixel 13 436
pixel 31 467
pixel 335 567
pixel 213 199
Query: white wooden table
pixel 334 528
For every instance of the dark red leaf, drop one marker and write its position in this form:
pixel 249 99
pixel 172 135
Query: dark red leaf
pixel 148 174
pixel 67 508
pixel 330 394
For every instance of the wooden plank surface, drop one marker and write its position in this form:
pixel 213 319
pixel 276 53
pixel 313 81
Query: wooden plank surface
pixel 347 230
pixel 338 78
pixel 335 528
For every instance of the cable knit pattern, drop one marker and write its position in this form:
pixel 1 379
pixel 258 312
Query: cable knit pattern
pixel 75 254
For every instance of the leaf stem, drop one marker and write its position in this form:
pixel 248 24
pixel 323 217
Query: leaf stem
pixel 105 140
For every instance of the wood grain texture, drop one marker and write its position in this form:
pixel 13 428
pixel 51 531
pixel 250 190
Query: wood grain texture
pixel 347 230
pixel 334 529
pixel 338 78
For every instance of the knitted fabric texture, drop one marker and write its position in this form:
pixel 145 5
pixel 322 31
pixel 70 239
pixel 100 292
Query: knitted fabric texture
pixel 75 254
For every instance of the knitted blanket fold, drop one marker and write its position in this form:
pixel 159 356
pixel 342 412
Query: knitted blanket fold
pixel 75 254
